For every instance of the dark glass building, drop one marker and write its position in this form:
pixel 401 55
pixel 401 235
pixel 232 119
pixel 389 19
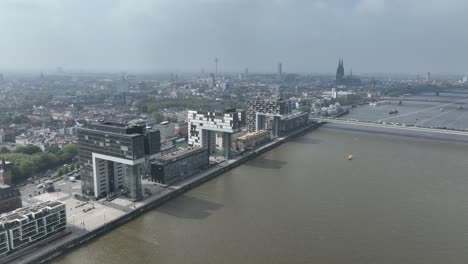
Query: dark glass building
pixel 179 165
pixel 115 157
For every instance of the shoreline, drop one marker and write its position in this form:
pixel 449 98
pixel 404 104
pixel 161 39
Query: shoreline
pixel 73 241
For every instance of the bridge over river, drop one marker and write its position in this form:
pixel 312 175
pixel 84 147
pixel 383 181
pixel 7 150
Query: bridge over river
pixel 404 99
pixel 385 125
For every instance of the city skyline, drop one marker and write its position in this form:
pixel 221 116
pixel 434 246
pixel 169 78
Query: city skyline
pixel 184 36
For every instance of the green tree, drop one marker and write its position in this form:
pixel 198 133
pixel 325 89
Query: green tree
pixel 158 117
pixel 53 149
pixel 68 153
pixel 28 149
pixel 4 150
pixel 60 172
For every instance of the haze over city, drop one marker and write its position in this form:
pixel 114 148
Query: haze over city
pixel 413 36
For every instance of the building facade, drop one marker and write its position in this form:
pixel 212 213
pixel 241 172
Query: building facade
pixel 167 130
pixel 293 121
pixel 204 124
pixel 252 139
pixel 5 172
pixel 259 111
pixel 115 157
pixel 27 226
pixel 179 165
pixel 10 198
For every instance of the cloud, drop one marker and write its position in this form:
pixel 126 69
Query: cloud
pixel 185 35
pixel 372 7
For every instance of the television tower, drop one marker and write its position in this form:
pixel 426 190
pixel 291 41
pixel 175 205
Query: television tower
pixel 216 63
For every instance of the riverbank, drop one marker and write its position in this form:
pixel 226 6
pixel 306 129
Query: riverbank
pixel 81 236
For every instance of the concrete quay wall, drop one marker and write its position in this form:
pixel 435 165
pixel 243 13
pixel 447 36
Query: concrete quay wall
pixel 187 185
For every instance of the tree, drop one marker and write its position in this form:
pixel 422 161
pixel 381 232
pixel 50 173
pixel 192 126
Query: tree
pixel 172 119
pixel 68 153
pixel 53 149
pixel 158 117
pixel 66 170
pixel 60 172
pixel 4 150
pixel 28 149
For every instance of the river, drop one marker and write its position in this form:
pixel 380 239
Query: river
pixel 399 200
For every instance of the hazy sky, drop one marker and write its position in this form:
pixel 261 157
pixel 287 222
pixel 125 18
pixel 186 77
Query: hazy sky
pixel 185 35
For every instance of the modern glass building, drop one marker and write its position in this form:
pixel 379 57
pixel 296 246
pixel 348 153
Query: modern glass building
pixel 115 157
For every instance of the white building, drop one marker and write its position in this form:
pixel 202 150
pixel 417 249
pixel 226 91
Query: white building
pixel 204 124
pixel 26 226
pixel 333 93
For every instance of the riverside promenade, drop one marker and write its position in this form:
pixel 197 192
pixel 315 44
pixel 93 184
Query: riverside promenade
pixel 106 216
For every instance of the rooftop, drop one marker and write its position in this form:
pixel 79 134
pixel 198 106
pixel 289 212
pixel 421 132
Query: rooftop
pixel 217 109
pixel 24 211
pixel 253 134
pixel 179 154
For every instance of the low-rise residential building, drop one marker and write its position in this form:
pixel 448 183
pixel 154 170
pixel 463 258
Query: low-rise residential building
pixel 251 140
pixel 27 226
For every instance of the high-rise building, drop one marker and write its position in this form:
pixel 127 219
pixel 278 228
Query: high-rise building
pixel 465 79
pixel 122 84
pixel 280 69
pixel 428 77
pixel 27 226
pixel 115 157
pixel 276 116
pixel 212 81
pixel 204 124
pixel 259 111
